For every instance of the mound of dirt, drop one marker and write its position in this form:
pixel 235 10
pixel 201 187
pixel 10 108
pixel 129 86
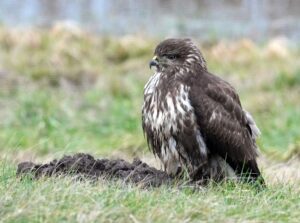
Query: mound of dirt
pixel 86 166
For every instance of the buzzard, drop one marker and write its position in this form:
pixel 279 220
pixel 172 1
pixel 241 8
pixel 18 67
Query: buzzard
pixel 193 119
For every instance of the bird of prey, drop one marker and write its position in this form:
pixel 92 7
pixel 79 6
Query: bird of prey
pixel 194 120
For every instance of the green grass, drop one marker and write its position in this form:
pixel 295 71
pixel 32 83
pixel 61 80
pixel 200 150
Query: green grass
pixel 64 92
pixel 49 121
pixel 67 200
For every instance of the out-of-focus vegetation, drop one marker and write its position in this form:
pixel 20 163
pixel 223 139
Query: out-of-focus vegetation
pixel 68 90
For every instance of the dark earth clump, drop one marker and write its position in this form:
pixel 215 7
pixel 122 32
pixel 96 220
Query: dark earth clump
pixel 86 166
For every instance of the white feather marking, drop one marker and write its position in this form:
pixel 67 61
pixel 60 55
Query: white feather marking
pixel 190 60
pixel 201 143
pixel 152 83
pixel 170 157
pixel 213 116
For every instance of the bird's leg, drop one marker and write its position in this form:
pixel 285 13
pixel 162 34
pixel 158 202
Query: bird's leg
pixel 201 173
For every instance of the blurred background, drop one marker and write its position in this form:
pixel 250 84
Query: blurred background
pixel 258 19
pixel 72 72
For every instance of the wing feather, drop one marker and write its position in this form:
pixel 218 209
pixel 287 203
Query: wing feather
pixel 220 116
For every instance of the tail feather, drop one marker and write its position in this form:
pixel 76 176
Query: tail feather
pixel 248 171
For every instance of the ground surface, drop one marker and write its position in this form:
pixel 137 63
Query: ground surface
pixel 67 199
pixel 85 166
pixel 65 91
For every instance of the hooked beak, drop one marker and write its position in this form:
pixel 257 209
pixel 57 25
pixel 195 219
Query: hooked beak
pixel 153 62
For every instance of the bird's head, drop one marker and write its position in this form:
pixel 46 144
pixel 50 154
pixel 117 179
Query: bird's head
pixel 176 53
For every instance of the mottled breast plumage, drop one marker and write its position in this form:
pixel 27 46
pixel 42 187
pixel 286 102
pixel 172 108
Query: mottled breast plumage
pixel 170 124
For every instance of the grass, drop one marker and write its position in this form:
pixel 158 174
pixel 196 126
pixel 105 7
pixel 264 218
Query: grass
pixel 66 200
pixel 65 91
pixel 57 122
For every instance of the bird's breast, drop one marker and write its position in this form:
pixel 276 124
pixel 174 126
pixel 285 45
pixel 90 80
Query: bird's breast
pixel 170 124
pixel 166 109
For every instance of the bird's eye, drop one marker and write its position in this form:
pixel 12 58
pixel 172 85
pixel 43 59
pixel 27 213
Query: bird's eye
pixel 171 56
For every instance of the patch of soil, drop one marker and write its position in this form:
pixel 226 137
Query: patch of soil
pixel 86 166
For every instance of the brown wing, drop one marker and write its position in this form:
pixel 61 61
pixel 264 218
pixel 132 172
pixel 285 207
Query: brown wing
pixel 221 118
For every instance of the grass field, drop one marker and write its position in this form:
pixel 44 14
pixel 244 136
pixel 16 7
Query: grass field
pixel 66 91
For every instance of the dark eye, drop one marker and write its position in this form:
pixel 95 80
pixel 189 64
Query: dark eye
pixel 171 56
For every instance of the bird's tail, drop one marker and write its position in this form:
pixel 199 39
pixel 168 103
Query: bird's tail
pixel 248 172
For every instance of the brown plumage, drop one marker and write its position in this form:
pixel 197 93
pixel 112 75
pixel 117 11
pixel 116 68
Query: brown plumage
pixel 192 118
